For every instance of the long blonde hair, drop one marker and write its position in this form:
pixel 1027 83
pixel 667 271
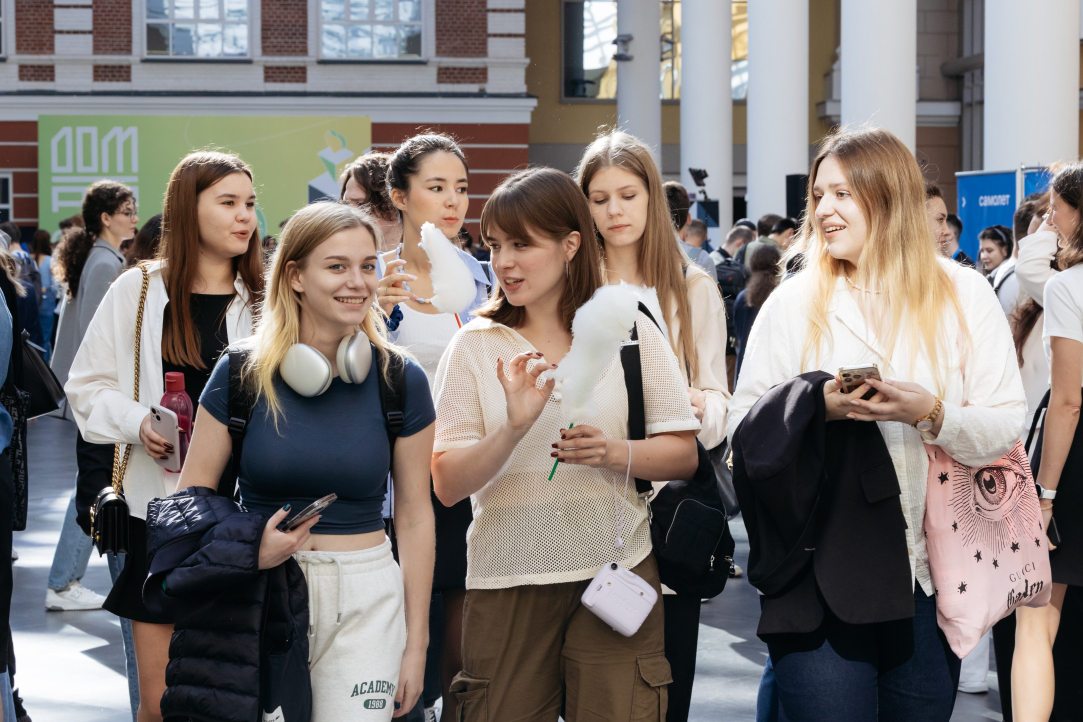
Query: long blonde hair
pixel 279 325
pixel 661 261
pixel 899 258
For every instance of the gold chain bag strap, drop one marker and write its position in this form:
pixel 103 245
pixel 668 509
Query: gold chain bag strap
pixel 109 514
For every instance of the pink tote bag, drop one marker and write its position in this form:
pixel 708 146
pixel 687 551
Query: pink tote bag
pixel 987 548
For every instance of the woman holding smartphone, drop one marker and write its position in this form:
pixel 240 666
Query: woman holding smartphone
pixel 1059 466
pixel 627 201
pixel 200 296
pixel 873 291
pixel 427 181
pixel 537 539
pixel 368 621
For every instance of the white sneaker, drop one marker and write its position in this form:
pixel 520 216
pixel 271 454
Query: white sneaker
pixel 73 599
pixel 14 555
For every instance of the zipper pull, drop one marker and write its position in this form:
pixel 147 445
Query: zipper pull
pixel 712 562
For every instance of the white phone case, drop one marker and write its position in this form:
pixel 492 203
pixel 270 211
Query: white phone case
pixel 164 423
pixel 620 598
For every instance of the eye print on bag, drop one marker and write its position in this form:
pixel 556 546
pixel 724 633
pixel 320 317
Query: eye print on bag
pixel 987 503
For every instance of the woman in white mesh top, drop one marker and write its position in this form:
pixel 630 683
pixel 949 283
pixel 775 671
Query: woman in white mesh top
pixel 536 539
pixel 628 203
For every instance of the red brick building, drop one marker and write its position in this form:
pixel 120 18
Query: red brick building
pixel 454 65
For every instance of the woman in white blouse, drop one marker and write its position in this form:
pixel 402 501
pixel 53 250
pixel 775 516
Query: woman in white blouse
pixel 627 201
pixel 873 291
pixel 552 505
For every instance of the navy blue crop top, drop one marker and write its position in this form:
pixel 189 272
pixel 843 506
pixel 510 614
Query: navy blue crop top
pixel 335 442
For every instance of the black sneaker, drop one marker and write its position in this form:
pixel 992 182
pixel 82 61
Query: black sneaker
pixel 20 711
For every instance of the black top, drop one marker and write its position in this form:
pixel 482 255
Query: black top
pixel 208 313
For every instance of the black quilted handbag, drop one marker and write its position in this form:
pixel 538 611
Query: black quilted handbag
pixel 109 514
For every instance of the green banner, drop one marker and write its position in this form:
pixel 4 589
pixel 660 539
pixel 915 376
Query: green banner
pixel 295 159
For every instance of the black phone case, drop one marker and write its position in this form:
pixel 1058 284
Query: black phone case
pixel 1053 533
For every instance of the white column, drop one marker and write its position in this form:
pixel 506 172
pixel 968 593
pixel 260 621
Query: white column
pixel 1031 82
pixel 639 89
pixel 777 100
pixel 707 100
pixel 879 65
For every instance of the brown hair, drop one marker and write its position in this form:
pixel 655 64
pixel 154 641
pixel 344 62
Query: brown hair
pixel 405 162
pixel 1068 184
pixel 545 202
pixel 370 173
pixel 147 241
pixel 179 250
pixel 1022 321
pixel 678 202
pixel 766 223
pixel 661 261
pixel 932 190
pixel 41 245
pixel 1036 204
pixel 72 251
pixel 765 275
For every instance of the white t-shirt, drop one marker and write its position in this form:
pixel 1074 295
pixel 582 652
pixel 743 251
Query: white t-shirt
pixel 1064 307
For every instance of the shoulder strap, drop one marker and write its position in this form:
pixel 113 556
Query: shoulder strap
pixel 240 412
pixel 393 396
pixel 1007 274
pixel 633 382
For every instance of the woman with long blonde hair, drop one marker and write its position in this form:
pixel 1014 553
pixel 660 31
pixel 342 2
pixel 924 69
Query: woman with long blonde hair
pixel 639 246
pixel 874 292
pixel 318 428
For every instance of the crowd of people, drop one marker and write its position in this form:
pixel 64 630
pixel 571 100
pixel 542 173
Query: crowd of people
pixel 326 365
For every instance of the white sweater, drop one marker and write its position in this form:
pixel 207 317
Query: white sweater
pixel 976 431
pixel 101 382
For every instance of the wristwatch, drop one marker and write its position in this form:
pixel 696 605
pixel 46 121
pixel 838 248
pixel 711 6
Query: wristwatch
pixel 1044 493
pixel 926 422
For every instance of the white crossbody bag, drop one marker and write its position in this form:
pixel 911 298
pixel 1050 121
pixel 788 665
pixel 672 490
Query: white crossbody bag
pixel 619 597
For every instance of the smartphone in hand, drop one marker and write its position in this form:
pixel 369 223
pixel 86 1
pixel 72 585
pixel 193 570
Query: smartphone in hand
pixel 314 509
pixel 164 423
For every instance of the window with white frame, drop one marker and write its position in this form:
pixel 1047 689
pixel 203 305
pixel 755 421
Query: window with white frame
pixel 1 28
pixel 370 29
pixel 197 28
pixel 5 197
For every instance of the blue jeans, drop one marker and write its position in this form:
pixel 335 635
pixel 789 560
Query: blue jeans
pixel 116 564
pixel 72 552
pixel 7 699
pixel 900 671
pixel 767 697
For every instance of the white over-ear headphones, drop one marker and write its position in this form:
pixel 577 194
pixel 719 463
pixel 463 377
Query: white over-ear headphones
pixel 308 372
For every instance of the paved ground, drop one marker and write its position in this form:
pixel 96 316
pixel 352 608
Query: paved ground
pixel 71 666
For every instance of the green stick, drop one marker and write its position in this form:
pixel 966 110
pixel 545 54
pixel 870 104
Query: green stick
pixel 557 461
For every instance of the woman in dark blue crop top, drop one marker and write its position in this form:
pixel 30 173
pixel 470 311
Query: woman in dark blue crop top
pixel 368 627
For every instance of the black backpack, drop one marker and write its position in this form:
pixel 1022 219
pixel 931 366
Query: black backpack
pixel 241 404
pixel 732 278
pixel 689 531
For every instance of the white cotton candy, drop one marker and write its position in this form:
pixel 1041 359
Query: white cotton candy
pixel 452 282
pixel 600 326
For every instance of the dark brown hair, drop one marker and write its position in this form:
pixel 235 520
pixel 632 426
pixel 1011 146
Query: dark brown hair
pixel 1036 204
pixel 405 162
pixel 147 241
pixel 1022 321
pixel 766 223
pixel 41 245
pixel 544 202
pixel 1068 184
pixel 370 173
pixel 765 275
pixel 179 250
pixel 1000 235
pixel 71 253
pixel 678 202
pixel 932 190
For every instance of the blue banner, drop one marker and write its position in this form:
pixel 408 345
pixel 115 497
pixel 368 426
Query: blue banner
pixel 1036 180
pixel 985 200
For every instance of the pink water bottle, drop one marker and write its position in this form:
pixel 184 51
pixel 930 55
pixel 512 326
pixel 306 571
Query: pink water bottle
pixel 176 400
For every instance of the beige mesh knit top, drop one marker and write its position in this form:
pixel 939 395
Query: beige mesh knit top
pixel 527 529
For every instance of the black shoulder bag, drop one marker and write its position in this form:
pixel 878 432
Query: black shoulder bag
pixel 109 513
pixel 689 530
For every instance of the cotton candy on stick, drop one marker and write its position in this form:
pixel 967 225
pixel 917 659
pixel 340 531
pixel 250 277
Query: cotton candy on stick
pixel 452 282
pixel 600 326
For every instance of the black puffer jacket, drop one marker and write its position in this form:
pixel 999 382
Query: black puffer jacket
pixel 240 646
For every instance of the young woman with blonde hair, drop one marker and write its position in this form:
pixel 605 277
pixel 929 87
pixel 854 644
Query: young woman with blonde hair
pixel 200 296
pixel 316 429
pixel 530 647
pixel 636 236
pixel 1058 462
pixel 874 291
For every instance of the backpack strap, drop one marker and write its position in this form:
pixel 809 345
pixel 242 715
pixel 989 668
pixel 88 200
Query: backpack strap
pixel 633 383
pixel 393 396
pixel 240 413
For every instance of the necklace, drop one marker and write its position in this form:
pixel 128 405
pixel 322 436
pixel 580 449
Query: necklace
pixel 859 288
